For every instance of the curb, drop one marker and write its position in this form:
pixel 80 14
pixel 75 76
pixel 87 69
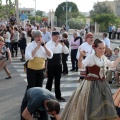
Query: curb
pixel 112 41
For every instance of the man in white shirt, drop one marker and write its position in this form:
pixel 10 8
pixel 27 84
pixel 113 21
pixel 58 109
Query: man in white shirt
pixel 87 46
pixel 54 66
pixel 106 40
pixel 36 53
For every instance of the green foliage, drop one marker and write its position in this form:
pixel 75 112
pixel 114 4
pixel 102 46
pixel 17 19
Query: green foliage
pixel 61 10
pixel 103 15
pixel 32 19
pixel 104 20
pixel 77 23
pixel 7 9
pixel 100 8
pixel 38 18
pixel 74 17
pixel 39 13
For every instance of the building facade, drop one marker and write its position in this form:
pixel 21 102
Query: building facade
pixel 28 11
pixel 115 5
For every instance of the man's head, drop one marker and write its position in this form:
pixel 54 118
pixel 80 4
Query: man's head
pixel 75 34
pixel 116 51
pixel 33 32
pixel 89 38
pixel 37 35
pixel 52 107
pixel 3 26
pixel 55 36
pixel 44 30
pixel 104 35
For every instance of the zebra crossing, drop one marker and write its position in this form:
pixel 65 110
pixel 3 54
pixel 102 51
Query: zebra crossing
pixel 68 82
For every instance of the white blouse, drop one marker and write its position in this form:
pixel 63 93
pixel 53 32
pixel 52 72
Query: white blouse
pixel 40 52
pixel 102 62
pixel 91 60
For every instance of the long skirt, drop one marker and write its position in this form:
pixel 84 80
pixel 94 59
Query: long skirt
pixel 92 100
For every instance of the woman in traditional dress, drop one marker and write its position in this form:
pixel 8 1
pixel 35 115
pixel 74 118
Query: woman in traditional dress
pixel 5 56
pixel 92 100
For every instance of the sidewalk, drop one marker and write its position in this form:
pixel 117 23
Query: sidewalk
pixel 97 35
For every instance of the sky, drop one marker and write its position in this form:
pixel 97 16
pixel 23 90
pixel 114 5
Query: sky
pixel 47 5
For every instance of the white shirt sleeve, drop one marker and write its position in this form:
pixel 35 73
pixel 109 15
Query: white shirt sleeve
pixel 50 53
pixel 87 61
pixel 65 50
pixel 108 62
pixel 28 52
pixel 78 53
pixel 108 43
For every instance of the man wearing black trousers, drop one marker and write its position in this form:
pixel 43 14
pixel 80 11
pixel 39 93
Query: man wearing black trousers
pixel 54 66
pixel 36 53
pixel 65 56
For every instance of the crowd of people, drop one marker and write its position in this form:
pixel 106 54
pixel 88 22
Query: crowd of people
pixel 114 31
pixel 46 55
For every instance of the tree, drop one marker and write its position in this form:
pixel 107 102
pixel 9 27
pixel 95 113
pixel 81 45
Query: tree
pixel 76 23
pixel 61 10
pixel 100 8
pixel 104 20
pixel 39 13
pixel 7 9
pixel 72 12
pixel 103 15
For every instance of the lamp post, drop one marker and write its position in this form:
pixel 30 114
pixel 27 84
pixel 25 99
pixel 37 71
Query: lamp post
pixel 66 14
pixel 17 10
pixel 35 11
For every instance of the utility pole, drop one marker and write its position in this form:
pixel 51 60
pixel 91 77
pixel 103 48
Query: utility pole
pixel 66 14
pixel 35 11
pixel 17 10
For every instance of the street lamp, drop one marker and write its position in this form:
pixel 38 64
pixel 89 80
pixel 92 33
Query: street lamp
pixel 35 11
pixel 17 10
pixel 66 14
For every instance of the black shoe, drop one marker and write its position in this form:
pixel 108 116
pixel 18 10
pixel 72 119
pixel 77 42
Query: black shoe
pixel 76 70
pixel 61 99
pixel 8 77
pixel 110 82
pixel 72 70
pixel 22 60
pixel 65 73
